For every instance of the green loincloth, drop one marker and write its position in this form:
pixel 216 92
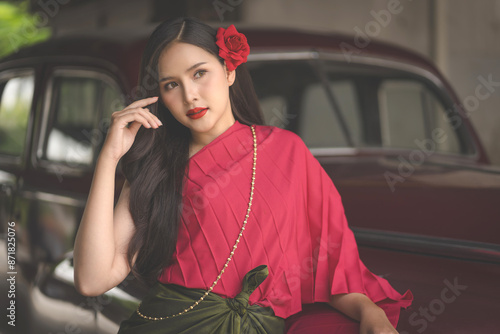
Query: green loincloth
pixel 214 314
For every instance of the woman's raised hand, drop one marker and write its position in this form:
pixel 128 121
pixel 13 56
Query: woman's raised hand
pixel 120 138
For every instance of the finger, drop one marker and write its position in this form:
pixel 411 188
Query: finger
pixel 143 120
pixel 142 103
pixel 127 118
pixel 153 119
pixel 134 127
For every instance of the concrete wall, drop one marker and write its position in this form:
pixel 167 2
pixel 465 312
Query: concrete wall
pixel 410 27
pixel 473 51
pixel 461 36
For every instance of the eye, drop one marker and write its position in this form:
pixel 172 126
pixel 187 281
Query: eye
pixel 170 85
pixel 199 73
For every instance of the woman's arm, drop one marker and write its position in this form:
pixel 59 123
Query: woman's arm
pixel 100 250
pixel 94 249
pixel 358 306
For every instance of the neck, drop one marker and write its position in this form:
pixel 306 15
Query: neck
pixel 200 139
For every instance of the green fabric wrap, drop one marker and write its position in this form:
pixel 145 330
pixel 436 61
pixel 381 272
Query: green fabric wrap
pixel 214 314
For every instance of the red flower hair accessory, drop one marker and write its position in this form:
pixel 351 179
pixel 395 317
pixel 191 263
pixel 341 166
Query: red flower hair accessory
pixel 233 46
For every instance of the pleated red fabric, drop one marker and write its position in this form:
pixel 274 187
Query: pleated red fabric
pixel 297 226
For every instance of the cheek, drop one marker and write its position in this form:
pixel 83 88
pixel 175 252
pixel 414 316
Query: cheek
pixel 170 100
pixel 215 87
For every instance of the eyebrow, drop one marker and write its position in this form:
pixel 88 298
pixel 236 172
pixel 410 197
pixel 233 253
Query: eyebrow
pixel 189 69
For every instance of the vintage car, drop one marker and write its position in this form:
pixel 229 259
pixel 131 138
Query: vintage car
pixel 418 189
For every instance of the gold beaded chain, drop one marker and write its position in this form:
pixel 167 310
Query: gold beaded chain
pixel 234 247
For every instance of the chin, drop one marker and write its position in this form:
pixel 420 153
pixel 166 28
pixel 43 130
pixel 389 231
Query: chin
pixel 201 124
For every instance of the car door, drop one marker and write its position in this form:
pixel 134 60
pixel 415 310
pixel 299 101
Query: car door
pixel 75 107
pixel 17 88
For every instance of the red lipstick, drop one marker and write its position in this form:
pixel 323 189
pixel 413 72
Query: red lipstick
pixel 196 113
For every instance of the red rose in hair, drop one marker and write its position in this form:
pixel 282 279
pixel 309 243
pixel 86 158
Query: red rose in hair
pixel 233 46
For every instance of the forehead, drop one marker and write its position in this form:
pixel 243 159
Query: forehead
pixel 179 56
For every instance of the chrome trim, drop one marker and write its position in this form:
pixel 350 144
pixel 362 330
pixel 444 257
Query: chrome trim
pixel 289 55
pixel 338 57
pixel 333 151
pixel 436 157
pixel 12 73
pixel 429 245
pixel 383 62
pixel 45 114
pixel 53 198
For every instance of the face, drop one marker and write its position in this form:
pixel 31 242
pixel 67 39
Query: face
pixel 192 78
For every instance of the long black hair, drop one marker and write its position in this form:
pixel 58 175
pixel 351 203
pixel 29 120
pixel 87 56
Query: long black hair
pixel 156 163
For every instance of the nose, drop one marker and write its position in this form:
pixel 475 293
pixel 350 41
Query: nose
pixel 190 93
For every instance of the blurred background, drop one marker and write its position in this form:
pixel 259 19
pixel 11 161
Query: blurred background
pixel 461 37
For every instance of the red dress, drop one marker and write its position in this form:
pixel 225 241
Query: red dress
pixel 296 227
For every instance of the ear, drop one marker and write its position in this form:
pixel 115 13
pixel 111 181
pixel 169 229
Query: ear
pixel 230 75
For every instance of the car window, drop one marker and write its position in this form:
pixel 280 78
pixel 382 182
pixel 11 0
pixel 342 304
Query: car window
pixel 355 105
pixel 274 108
pixel 81 103
pixel 409 113
pixel 276 86
pixel 292 96
pixel 320 124
pixel 16 96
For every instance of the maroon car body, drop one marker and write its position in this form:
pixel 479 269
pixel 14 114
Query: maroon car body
pixel 417 186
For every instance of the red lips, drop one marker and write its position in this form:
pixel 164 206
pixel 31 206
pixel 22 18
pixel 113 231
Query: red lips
pixel 196 113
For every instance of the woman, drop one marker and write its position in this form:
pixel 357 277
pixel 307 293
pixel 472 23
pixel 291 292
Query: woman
pixel 228 242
